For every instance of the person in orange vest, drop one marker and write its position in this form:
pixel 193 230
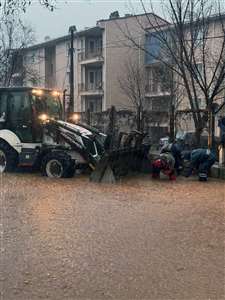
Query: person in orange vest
pixel 164 163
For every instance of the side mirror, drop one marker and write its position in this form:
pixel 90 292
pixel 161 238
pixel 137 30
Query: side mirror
pixel 2 117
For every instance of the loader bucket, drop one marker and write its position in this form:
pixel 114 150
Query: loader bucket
pixel 118 163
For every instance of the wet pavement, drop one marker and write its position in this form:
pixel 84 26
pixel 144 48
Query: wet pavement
pixel 139 239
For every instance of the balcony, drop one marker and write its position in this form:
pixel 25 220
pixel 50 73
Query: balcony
pixel 91 89
pixel 95 57
pixel 156 91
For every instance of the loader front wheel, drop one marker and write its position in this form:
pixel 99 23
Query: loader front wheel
pixel 8 158
pixel 58 165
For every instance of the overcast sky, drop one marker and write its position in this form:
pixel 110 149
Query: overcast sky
pixel 82 13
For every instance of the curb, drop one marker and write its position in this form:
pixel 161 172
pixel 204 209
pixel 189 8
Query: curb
pixel 217 171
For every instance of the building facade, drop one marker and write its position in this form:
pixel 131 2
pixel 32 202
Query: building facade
pixel 162 90
pixel 99 56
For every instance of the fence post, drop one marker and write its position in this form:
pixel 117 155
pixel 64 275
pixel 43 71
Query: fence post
pixel 88 116
pixel 111 126
pixel 112 119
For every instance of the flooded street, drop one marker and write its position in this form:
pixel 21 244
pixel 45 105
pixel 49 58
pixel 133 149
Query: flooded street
pixel 139 239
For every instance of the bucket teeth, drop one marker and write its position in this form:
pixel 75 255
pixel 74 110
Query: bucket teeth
pixel 119 163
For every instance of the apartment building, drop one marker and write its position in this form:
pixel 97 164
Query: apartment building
pixel 100 53
pixel 90 70
pixel 159 85
pixel 48 63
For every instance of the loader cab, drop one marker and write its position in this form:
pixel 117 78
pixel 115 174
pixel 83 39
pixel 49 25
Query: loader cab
pixel 21 109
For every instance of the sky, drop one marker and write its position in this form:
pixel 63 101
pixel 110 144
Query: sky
pixel 82 13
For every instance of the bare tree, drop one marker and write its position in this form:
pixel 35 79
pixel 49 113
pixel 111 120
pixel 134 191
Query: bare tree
pixel 14 38
pixel 136 83
pixel 8 7
pixel 184 46
pixel 175 89
pixel 132 83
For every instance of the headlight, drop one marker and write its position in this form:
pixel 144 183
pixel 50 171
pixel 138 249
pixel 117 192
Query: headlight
pixel 37 92
pixel 55 94
pixel 43 118
pixel 75 118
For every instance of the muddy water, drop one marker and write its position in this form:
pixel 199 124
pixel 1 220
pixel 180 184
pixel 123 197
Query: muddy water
pixel 139 239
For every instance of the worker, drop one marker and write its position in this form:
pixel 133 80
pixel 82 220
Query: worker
pixel 200 160
pixel 165 164
pixel 221 124
pixel 175 149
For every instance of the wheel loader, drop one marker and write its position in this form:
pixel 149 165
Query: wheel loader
pixel 33 133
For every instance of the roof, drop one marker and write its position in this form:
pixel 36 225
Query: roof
pixel 132 16
pixel 49 43
pixel 211 18
pixel 96 30
pixel 23 88
pixel 90 31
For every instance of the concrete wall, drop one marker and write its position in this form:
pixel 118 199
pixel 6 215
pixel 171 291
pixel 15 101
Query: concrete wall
pixel 62 66
pixel 125 121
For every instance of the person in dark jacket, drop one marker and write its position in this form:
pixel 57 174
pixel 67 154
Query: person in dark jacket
pixel 221 124
pixel 200 160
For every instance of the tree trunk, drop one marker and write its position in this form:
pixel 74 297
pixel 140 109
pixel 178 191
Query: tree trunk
pixel 139 119
pixel 172 122
pixel 211 134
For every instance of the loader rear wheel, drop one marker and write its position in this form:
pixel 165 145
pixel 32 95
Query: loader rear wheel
pixel 58 165
pixel 8 158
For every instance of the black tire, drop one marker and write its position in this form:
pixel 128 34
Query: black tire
pixel 57 164
pixel 70 172
pixel 8 157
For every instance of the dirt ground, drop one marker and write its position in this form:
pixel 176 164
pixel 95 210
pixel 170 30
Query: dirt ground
pixel 139 239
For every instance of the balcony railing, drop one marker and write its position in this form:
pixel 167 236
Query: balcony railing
pixel 86 55
pixel 91 87
pixel 157 89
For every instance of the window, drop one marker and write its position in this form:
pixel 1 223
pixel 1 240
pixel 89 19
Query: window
pixel 47 104
pixel 3 110
pixel 165 80
pixel 201 103
pixel 82 45
pixel 20 116
pixel 199 70
pixel 51 69
pixel 91 46
pixel 153 45
pixel 92 76
pixel 160 104
pixel 153 81
pixel 99 78
pixel 93 104
pixel 199 67
pixel 3 106
pixel 99 45
pixel 20 108
pixel 199 36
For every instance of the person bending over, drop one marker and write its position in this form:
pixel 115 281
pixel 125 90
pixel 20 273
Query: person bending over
pixel 165 164
pixel 200 160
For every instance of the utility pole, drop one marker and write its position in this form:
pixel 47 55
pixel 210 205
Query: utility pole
pixel 72 29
